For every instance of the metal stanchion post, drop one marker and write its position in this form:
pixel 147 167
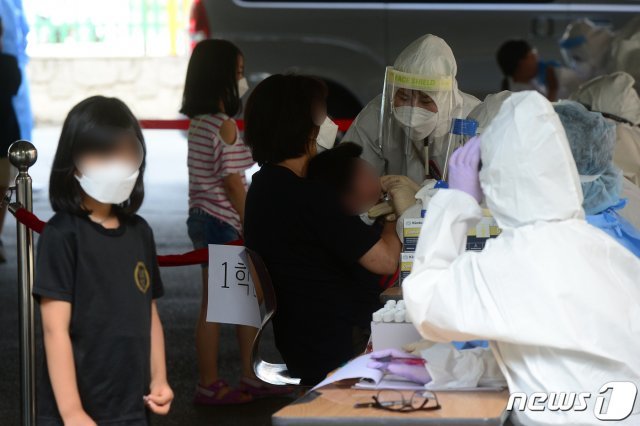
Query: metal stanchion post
pixel 23 155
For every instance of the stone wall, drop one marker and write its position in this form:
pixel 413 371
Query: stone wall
pixel 152 87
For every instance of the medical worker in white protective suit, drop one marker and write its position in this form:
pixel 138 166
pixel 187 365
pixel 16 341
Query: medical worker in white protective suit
pixel 420 98
pixel 625 49
pixel 614 96
pixel 558 299
pixel 592 140
pixel 592 50
pixel 585 48
pixel 407 199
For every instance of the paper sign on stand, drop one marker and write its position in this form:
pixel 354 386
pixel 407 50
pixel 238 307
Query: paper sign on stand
pixel 232 293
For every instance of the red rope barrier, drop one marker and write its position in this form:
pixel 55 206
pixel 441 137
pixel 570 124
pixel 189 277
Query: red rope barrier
pixel 343 123
pixel 194 257
pixel 30 220
pixel 183 124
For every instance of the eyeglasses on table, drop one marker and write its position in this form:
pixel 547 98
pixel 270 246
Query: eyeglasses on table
pixel 393 400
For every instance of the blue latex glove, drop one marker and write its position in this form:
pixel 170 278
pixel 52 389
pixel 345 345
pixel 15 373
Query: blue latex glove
pixel 464 170
pixel 397 362
pixel 543 70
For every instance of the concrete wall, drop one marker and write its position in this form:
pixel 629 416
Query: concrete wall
pixel 151 87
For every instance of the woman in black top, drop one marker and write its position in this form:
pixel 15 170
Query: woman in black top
pixel 308 242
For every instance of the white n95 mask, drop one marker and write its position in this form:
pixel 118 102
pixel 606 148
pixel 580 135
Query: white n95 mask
pixel 327 135
pixel 109 183
pixel 243 87
pixel 419 121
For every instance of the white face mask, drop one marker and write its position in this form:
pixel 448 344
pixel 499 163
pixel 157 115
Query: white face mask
pixel 243 87
pixel 417 122
pixel 327 135
pixel 109 183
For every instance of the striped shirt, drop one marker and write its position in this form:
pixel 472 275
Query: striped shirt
pixel 210 160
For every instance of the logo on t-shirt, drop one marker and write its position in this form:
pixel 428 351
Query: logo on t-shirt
pixel 141 276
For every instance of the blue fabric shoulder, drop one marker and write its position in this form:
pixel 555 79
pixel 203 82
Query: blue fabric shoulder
pixel 617 227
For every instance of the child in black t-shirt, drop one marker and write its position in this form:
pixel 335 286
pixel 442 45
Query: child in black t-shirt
pixel 354 180
pixel 97 277
pixel 358 187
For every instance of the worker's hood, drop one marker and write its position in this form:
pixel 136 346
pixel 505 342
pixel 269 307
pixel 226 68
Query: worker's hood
pixel 528 173
pixel 427 55
pixel 485 112
pixel 431 58
pixel 585 42
pixel 611 94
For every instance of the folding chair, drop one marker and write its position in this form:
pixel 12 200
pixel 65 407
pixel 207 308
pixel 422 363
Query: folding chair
pixel 274 374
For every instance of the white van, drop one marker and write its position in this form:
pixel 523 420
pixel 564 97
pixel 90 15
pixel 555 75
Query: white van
pixel 348 44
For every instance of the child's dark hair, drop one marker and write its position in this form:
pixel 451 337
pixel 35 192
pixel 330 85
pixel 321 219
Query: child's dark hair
pixel 279 117
pixel 509 56
pixel 211 79
pixel 91 126
pixel 336 167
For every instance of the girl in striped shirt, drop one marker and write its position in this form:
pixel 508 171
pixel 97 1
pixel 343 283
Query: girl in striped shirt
pixel 217 161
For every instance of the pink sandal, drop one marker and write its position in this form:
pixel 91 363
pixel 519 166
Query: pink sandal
pixel 220 393
pixel 258 389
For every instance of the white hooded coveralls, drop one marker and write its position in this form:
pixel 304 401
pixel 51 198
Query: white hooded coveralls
pixel 428 56
pixel 558 298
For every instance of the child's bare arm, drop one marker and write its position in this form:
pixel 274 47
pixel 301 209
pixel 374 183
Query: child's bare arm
pixel 160 395
pixel 236 192
pixel 56 316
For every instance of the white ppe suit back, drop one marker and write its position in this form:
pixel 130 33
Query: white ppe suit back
pixel 558 298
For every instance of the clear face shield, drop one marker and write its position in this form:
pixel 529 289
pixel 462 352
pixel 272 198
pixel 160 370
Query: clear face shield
pixel 414 109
